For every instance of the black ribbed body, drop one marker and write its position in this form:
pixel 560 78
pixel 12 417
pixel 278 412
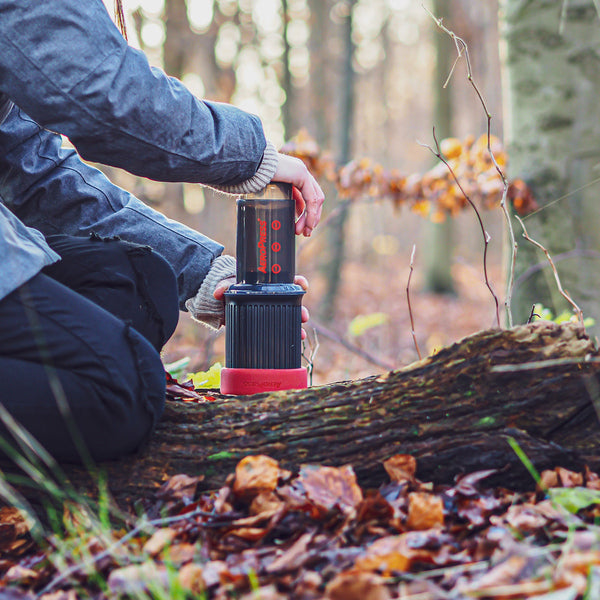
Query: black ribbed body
pixel 263 326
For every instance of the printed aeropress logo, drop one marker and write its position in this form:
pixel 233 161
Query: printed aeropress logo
pixel 262 245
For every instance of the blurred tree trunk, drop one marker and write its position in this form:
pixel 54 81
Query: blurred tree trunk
pixel 178 38
pixel 439 236
pixel 346 117
pixel 287 110
pixel 320 83
pixel 553 73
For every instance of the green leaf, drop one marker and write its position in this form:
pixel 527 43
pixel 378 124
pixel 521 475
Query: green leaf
pixel 543 313
pixel 574 499
pixel 362 323
pixel 176 369
pixel 207 379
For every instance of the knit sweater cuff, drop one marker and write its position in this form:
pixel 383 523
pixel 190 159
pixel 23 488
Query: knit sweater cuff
pixel 260 179
pixel 204 307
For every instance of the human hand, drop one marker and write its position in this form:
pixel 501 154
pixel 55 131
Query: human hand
pixel 224 285
pixel 307 193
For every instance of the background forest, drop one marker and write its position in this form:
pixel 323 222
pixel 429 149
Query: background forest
pixel 369 80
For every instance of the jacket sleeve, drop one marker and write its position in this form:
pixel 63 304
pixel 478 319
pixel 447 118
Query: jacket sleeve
pixel 68 67
pixel 51 189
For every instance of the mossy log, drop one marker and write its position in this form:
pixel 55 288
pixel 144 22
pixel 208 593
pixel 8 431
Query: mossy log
pixel 453 411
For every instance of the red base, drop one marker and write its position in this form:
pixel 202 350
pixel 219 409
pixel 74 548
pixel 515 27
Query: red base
pixel 243 382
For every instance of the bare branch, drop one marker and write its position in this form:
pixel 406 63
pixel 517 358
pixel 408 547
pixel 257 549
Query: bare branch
pixel 462 49
pixel 334 337
pixel 486 238
pixel 410 313
pixel 563 292
pixel 310 359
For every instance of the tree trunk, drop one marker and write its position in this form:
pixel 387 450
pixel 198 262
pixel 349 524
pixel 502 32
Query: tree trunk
pixel 337 235
pixel 438 236
pixel 454 412
pixel 552 70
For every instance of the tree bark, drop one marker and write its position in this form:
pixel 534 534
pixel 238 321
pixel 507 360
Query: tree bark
pixel 454 412
pixel 552 67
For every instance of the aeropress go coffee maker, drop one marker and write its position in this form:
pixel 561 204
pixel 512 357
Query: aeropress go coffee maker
pixel 263 308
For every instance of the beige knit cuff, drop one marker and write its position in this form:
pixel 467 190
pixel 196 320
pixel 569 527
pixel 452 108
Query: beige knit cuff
pixel 260 179
pixel 204 307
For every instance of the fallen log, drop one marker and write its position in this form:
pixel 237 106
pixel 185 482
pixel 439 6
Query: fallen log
pixel 453 411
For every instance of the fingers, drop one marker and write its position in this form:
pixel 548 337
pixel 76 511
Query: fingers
pixel 222 287
pixel 308 194
pixel 313 198
pixel 305 314
pixel 300 211
pixel 302 282
pixel 304 318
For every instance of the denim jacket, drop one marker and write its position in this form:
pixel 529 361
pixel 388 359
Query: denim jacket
pixel 68 71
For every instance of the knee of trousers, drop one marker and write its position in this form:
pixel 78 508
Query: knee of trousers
pixel 117 418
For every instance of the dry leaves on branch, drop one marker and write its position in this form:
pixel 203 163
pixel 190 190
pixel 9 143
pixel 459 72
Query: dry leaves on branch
pixel 434 194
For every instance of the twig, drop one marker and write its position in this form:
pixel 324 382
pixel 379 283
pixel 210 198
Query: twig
pixel 410 313
pixel 334 337
pixel 486 238
pixel 482 565
pixel 462 48
pixel 563 292
pixel 310 359
pixel 532 314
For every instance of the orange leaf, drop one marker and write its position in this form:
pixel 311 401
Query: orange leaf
pixel 424 511
pixel 451 147
pixel 401 467
pixel 255 474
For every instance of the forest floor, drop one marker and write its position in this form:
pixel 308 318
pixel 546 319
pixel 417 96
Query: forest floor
pixel 269 534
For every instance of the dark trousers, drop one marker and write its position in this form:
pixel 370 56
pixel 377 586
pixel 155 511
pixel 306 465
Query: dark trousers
pixel 79 348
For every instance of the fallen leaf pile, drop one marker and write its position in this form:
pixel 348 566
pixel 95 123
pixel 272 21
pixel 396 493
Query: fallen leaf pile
pixel 272 534
pixel 470 172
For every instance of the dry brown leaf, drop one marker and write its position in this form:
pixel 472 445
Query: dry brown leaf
pixel 60 595
pixel 424 511
pixel 401 467
pixel 294 556
pixel 387 555
pixel 265 502
pixel 15 517
pixel 179 487
pixel 255 474
pixel 328 487
pixel 191 578
pixel 179 554
pixel 135 579
pixel 526 517
pixel 21 575
pixel 548 479
pixel 353 585
pixel 251 534
pixel 158 541
pixel 569 478
pixel 267 592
